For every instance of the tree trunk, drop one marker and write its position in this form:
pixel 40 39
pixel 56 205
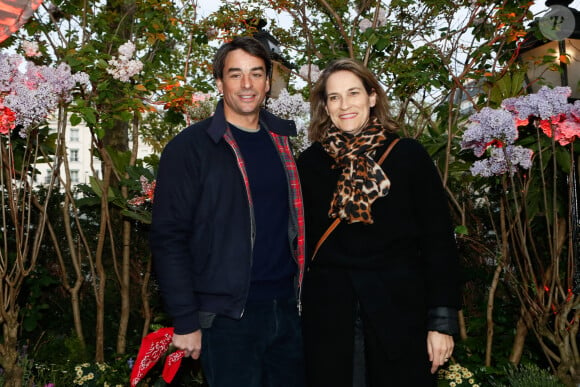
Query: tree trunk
pixel 100 280
pixel 125 288
pixel 145 298
pixel 489 313
pixel 520 338
pixel 462 326
pixel 494 283
pixel 13 372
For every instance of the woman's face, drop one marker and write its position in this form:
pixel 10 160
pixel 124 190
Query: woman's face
pixel 347 102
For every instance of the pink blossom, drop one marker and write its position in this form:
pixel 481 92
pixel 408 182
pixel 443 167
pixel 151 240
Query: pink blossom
pixel 148 190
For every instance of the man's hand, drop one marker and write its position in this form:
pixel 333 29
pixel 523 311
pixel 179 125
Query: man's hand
pixel 190 343
pixel 440 347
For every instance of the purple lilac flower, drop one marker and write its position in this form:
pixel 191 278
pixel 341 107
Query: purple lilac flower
pixel 575 110
pixel 546 103
pixel 32 91
pixel 497 164
pixel 489 125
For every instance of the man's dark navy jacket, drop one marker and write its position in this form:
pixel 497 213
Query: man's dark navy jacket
pixel 202 229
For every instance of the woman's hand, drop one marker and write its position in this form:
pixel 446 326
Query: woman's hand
pixel 440 347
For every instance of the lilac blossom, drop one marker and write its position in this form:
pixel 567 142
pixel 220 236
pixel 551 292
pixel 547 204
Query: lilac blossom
pixel 503 160
pixel 311 71
pixel 365 24
pixel 31 49
pixel 489 125
pixel 124 68
pixel 8 70
pixel 544 104
pixel 292 107
pixel 382 17
pixel 32 92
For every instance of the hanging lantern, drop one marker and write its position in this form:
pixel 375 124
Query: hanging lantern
pixel 553 59
pixel 13 15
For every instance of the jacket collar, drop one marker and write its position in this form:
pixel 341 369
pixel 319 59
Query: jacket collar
pixel 218 124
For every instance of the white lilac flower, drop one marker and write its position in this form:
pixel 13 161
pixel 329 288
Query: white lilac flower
pixel 364 25
pixel 382 18
pixel 127 49
pixel 82 79
pixel 123 68
pixel 293 107
pixel 311 70
pixel 31 49
pixel 289 105
pixel 8 70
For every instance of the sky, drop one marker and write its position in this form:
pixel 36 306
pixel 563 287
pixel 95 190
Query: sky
pixel 209 6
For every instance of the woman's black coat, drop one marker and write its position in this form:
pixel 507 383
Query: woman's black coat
pixel 399 268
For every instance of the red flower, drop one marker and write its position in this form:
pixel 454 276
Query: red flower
pixel 562 128
pixel 7 119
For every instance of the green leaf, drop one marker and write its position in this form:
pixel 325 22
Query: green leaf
pixel 141 217
pixel 75 120
pixel 100 132
pixel 461 230
pixel 120 159
pixel 89 115
pixel 563 159
pixel 96 186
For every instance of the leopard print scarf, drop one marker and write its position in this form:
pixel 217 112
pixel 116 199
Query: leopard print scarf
pixel 362 180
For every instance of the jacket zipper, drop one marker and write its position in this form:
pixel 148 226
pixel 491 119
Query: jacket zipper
pixel 233 146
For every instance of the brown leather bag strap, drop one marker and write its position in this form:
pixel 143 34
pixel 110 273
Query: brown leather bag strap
pixel 391 145
pixel 325 235
pixel 334 224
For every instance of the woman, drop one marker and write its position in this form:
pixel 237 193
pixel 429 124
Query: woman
pixel 381 295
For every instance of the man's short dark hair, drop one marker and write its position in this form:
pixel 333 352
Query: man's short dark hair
pixel 246 43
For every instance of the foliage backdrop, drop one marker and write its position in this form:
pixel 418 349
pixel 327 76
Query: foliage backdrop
pixel 75 270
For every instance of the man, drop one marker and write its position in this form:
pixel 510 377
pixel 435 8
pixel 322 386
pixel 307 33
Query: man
pixel 228 233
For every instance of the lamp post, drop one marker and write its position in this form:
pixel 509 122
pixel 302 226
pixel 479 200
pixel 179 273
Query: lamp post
pixel 280 66
pixel 554 60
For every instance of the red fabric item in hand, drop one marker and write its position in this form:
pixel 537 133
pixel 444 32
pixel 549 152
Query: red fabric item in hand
pixel 153 346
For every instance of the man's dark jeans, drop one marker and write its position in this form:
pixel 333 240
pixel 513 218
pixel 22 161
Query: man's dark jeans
pixel 262 349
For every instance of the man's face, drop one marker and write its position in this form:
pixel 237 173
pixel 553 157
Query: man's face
pixel 244 86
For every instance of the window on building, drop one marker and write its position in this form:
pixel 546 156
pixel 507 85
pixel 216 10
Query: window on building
pixel 47 176
pixel 74 155
pixel 74 176
pixel 74 135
